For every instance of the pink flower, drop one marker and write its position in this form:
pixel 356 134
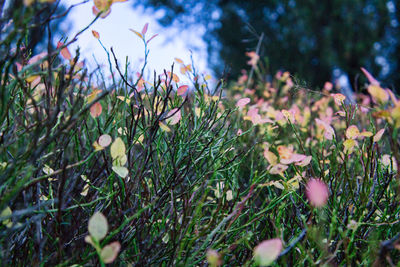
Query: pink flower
pixel 317 192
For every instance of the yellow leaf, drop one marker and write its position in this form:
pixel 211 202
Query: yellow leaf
pixel 395 114
pixel 137 33
pixel 378 94
pixel 102 5
pixel 352 132
pixel 104 13
pixel 293 184
pixel 229 195
pixel 278 169
pixel 287 114
pixel 140 139
pixel 117 148
pixel 84 178
pixel 3 165
pixel 179 60
pixel 213 258
pixel 92 96
pixel 47 170
pixel 85 190
pixel 124 99
pixel 122 131
pixel 349 145
pixel 96 34
pixel 97 147
pixel 165 239
pixel 197 111
pixel 215 98
pixel 110 252
pixel 285 152
pixel 339 99
pixel 32 78
pixel 271 157
pixel 366 134
pixel 186 68
pixel 278 185
pixel 28 2
pixel 341 113
pixel 175 77
pixel 120 160
pixel 164 127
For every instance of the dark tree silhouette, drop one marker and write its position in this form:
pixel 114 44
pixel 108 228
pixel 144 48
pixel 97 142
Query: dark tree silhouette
pixel 310 38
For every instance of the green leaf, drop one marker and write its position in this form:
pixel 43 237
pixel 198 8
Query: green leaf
pixel 121 171
pixel 7 212
pixel 98 226
pixel 117 148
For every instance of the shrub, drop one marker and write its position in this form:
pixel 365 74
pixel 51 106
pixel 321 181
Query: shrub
pixel 133 171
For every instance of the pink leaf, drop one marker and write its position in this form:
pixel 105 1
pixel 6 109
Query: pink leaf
pixel 329 132
pixel 176 116
pixel 278 169
pixel 294 158
pixel 378 135
pixel 304 162
pixel 182 89
pixel 317 192
pixel 243 102
pixel 252 112
pixel 267 251
pixel 328 86
pixel 151 38
pixel 64 52
pixel 370 78
pixel 37 57
pixel 144 30
pixel 95 110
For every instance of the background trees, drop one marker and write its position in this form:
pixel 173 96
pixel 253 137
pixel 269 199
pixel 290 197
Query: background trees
pixel 310 38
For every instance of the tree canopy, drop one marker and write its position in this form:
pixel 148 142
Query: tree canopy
pixel 309 38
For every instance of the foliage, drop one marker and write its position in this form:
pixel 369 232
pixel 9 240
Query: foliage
pixel 154 172
pixel 309 38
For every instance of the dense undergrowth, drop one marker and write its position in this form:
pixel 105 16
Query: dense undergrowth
pixel 143 171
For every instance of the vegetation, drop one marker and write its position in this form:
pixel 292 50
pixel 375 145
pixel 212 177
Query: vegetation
pixel 169 170
pixel 311 38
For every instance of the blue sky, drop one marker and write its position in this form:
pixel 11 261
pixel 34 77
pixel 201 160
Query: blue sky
pixel 114 31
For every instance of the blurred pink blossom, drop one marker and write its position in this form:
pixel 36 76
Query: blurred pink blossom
pixel 317 192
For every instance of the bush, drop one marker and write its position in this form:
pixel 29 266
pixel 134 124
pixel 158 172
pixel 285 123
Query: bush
pixel 149 173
